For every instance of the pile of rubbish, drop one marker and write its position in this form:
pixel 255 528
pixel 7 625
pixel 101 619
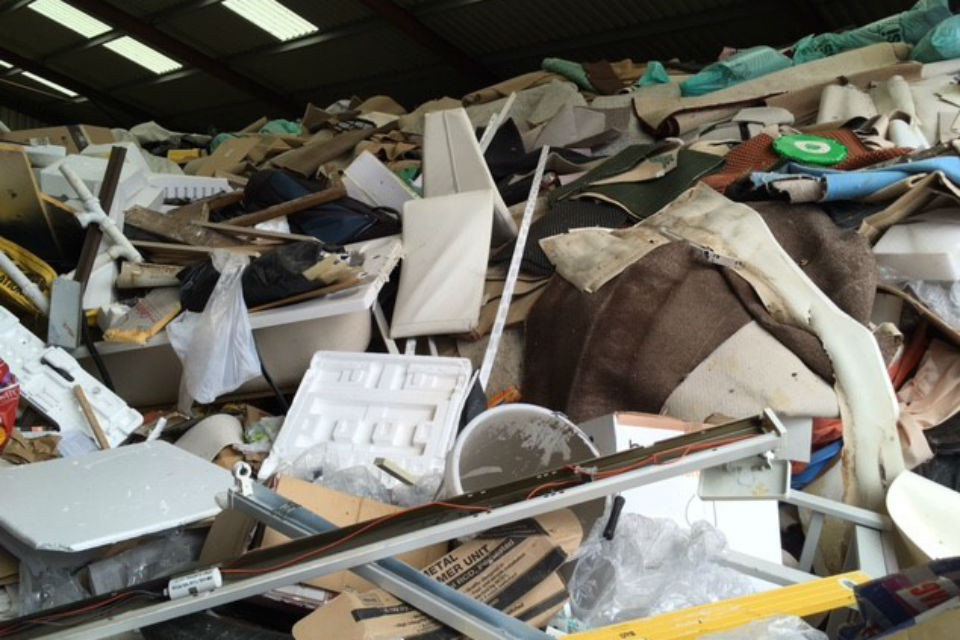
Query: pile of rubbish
pixel 608 343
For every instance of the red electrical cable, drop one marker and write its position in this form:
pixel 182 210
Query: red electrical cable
pixel 654 459
pixel 7 631
pixel 371 525
pixel 685 451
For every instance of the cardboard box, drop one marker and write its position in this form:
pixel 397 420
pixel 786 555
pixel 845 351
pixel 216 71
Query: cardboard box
pixel 74 137
pixel 939 627
pixel 512 568
pixel 342 510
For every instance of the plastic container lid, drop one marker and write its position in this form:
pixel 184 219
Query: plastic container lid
pixel 811 149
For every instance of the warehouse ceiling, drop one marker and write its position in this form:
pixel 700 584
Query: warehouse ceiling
pixel 197 64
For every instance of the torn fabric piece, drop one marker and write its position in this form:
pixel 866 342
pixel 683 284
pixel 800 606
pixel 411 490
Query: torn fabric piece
pixel 661 116
pixel 868 406
pixel 840 103
pixel 590 258
pixel 751 371
pixel 929 399
pixel 860 185
pixel 669 310
pixel 650 163
pixel 921 195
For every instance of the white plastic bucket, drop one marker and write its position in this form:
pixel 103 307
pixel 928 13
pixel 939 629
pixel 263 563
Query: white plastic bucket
pixel 516 441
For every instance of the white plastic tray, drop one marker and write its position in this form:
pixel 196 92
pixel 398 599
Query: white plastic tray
pixel 364 406
pixel 109 496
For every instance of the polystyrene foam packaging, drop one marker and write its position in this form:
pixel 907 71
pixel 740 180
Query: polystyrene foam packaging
pixel 363 406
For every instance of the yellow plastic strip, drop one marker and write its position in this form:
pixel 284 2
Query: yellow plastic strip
pixel 807 599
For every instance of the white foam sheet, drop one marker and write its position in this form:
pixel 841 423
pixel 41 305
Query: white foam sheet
pixel 88 501
pixel 363 406
pixel 446 243
pixel 370 181
pixel 453 163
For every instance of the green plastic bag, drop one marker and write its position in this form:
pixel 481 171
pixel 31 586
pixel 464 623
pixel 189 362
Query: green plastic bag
pixel 909 26
pixel 942 43
pixel 281 128
pixel 656 73
pixel 741 66
pixel 572 71
pixel 219 139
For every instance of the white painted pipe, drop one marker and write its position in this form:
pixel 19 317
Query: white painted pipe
pixel 27 286
pixel 120 246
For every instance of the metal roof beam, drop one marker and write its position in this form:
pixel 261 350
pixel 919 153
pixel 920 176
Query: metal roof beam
pixel 110 104
pixel 41 112
pixel 13 5
pixel 148 34
pixel 709 17
pixel 347 31
pixel 408 23
pixel 183 8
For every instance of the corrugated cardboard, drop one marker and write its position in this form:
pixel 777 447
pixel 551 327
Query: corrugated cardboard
pixel 342 510
pixel 512 569
pixel 74 137
pixel 938 628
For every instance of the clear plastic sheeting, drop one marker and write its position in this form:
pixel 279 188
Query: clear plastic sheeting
pixel 782 628
pixel 368 482
pixel 651 566
pixel 332 469
pixel 157 557
pixel 44 586
pixel 216 347
pixel 943 298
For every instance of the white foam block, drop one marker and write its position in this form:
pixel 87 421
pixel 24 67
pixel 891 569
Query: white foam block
pixel 364 406
pixel 923 250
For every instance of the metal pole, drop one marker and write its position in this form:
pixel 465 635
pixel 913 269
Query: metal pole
pixel 503 310
pixel 447 605
pixel 463 526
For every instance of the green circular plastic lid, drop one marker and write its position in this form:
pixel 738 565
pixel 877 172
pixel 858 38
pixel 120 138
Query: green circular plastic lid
pixel 811 149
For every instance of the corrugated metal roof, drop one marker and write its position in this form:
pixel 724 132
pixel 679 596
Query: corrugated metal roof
pixel 357 51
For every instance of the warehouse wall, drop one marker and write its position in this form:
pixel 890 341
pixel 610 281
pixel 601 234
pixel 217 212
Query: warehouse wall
pixel 16 120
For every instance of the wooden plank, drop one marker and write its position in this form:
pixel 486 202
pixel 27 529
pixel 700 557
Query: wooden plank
pixel 310 295
pixel 199 209
pixel 253 232
pixel 175 229
pixel 291 206
pixel 23 216
pixel 190 251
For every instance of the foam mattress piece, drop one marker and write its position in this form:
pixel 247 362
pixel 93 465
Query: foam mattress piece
pixel 358 407
pixel 924 249
pixel 446 243
pixel 103 497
